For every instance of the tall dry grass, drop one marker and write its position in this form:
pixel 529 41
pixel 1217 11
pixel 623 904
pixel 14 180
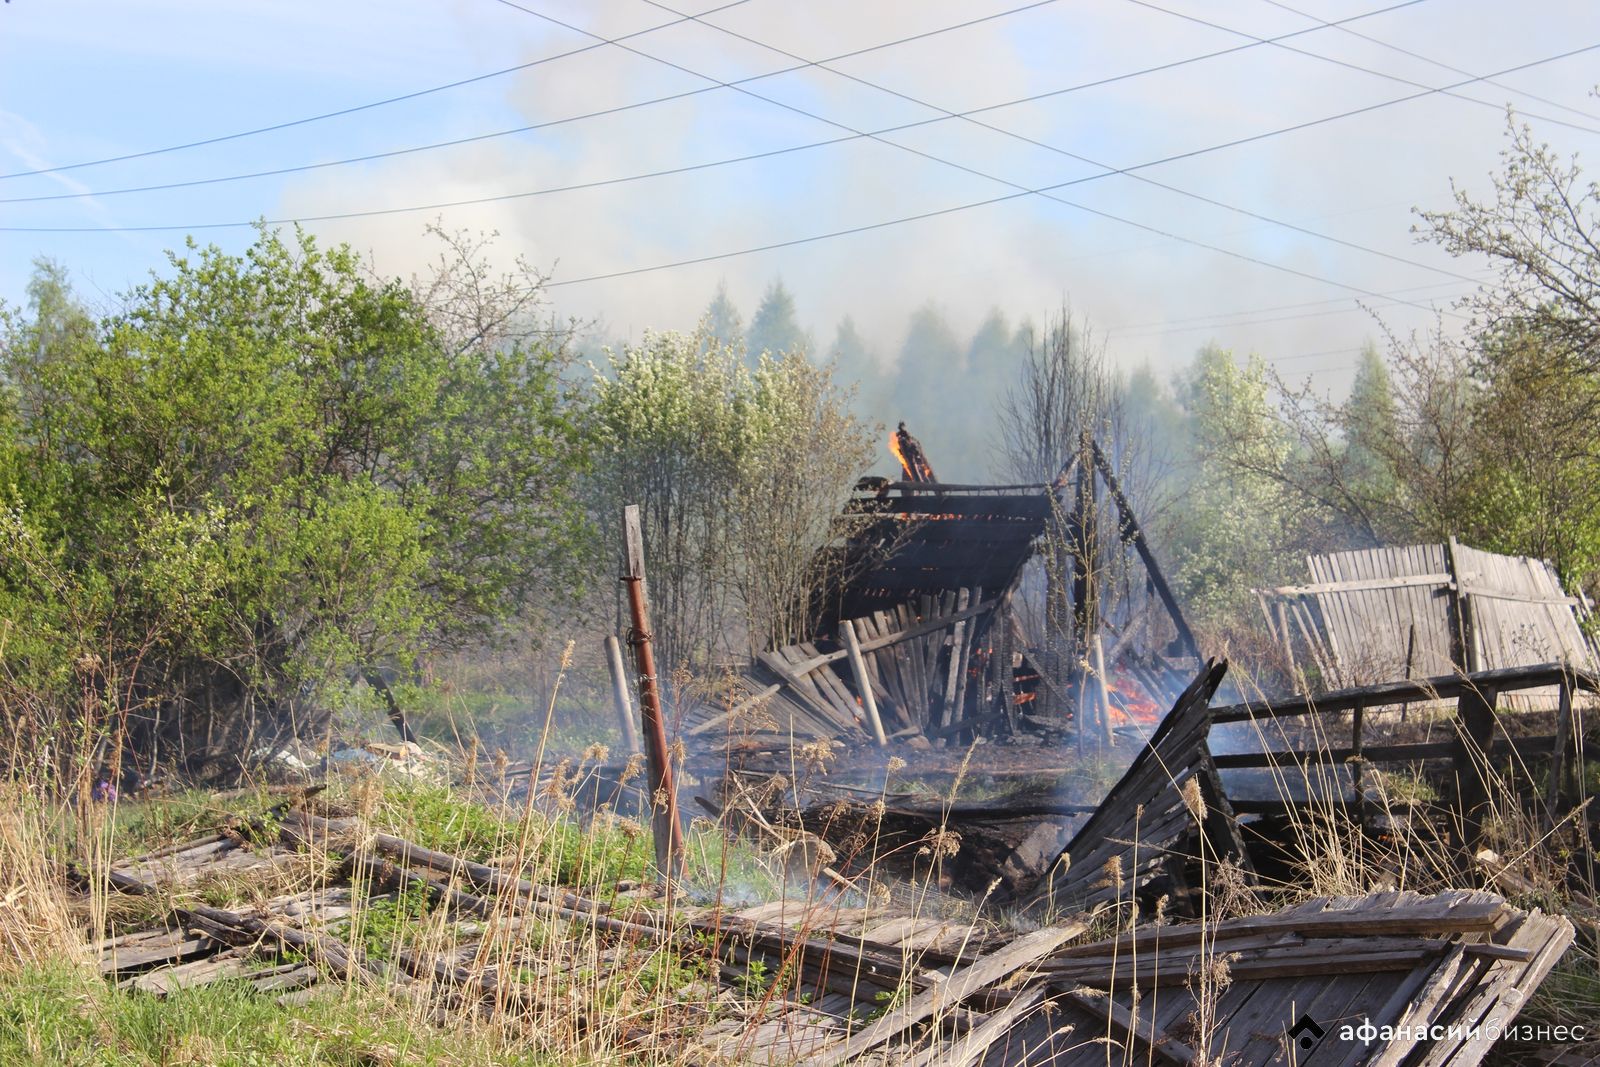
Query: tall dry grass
pixel 40 922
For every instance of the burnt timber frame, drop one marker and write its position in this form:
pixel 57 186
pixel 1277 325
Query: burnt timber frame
pixel 921 540
pixel 1138 836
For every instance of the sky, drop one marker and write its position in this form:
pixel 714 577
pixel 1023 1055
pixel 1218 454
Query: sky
pixel 1239 171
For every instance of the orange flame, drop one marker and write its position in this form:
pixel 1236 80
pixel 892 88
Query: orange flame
pixel 914 469
pixel 894 446
pixel 1132 703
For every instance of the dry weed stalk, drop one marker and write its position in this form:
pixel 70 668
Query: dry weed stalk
pixel 38 923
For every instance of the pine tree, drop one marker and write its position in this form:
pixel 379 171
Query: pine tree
pixel 723 322
pixel 775 328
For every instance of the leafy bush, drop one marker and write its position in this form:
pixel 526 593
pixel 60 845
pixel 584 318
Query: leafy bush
pixel 264 473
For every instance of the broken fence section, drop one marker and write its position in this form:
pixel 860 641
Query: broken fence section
pixel 1419 611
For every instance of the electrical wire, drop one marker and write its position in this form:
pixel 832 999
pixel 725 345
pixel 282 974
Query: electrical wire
pixel 552 123
pixel 972 170
pixel 375 212
pixel 1107 167
pixel 1430 60
pixel 1157 323
pixel 1202 328
pixel 1443 90
pixel 357 108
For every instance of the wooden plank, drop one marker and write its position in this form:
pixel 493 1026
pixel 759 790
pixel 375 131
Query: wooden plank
pixel 126 960
pixel 285 979
pixel 960 655
pixel 734 712
pixel 833 690
pixel 1116 1019
pixel 1439 687
pixel 230 964
pixel 912 632
pixel 888 657
pixel 1397 914
pixel 1492 1004
pixel 1346 1000
pixel 1440 986
pixel 805 692
pixel 1025 951
pixel 858 668
pixel 1491 593
pixel 1357 585
pixel 970 1048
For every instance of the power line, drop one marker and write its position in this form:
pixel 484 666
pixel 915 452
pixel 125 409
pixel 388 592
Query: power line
pixel 336 216
pixel 970 170
pixel 1443 90
pixel 1428 59
pixel 1155 323
pixel 1313 355
pixel 533 127
pixel 1202 328
pixel 291 123
pixel 1108 168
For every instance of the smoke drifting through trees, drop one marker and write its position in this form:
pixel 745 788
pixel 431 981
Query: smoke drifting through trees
pixel 267 474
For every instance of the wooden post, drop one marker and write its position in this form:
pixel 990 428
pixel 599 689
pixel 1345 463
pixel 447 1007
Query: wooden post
pixel 619 694
pixel 1411 649
pixel 958 711
pixel 1465 653
pixel 1552 793
pixel 1287 640
pixel 1475 715
pixel 1356 717
pixel 953 676
pixel 663 791
pixel 1082 561
pixel 1004 643
pixel 1131 530
pixel 858 668
pixel 1101 688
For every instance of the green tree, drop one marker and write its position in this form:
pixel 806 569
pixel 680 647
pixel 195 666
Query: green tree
pixel 1542 231
pixel 738 472
pixel 775 329
pixel 849 350
pixel 1535 485
pixel 724 324
pixel 332 478
pixel 1534 364
pixel 996 351
pixel 1371 422
pixel 1241 526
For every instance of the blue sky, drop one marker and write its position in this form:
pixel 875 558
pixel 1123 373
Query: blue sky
pixel 84 81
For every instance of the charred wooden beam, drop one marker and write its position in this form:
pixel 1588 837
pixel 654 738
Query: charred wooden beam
pixel 1134 532
pixel 1442 687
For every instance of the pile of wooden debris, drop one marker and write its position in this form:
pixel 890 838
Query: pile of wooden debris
pixel 816 982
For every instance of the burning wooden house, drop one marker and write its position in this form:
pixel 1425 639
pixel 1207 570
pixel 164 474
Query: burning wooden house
pixel 919 632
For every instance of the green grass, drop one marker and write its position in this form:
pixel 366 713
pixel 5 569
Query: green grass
pixel 142 825
pixel 58 1016
pixel 435 817
pixel 388 923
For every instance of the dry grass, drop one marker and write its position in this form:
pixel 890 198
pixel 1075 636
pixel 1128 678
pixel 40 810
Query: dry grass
pixel 531 985
pixel 39 920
